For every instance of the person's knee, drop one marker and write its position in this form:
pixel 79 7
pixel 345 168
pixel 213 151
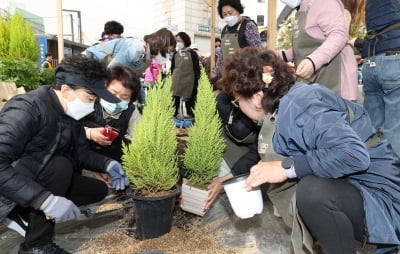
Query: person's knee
pixel 309 193
pixel 58 170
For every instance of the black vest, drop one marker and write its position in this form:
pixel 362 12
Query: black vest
pixel 96 119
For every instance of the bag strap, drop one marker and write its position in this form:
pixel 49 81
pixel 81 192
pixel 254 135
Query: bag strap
pixel 372 35
pixel 107 50
pixel 372 141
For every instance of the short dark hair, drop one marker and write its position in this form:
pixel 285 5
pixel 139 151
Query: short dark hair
pixel 89 68
pixel 127 76
pixel 48 54
pixel 234 3
pixel 218 40
pixel 185 38
pixel 113 27
pixel 160 41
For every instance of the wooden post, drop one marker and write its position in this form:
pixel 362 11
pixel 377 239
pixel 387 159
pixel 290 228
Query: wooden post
pixel 212 37
pixel 272 25
pixel 60 31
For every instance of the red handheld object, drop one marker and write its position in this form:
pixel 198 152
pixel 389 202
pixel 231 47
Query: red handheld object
pixel 110 132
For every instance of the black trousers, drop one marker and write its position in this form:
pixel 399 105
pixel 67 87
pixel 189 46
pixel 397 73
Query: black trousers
pixel 59 178
pixel 333 210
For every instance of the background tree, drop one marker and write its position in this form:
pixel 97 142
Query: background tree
pixel 22 41
pixel 4 39
pixel 19 53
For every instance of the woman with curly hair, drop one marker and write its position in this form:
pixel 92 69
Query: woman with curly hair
pixel 346 178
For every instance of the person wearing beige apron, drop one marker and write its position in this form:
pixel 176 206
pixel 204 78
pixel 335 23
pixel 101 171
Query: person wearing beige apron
pixel 240 31
pixel 319 49
pixel 348 182
pixel 185 71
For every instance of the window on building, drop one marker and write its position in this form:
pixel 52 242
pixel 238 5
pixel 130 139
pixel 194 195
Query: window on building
pixel 260 20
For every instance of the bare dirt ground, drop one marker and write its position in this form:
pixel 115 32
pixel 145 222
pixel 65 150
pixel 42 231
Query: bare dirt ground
pixel 186 236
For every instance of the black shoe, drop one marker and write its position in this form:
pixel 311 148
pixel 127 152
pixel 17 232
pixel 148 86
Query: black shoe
pixel 48 248
pixel 16 222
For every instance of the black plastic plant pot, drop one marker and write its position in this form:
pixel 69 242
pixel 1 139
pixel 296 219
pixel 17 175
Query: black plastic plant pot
pixel 153 214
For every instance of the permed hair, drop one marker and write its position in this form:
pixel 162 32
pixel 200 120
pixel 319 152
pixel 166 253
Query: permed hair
pixel 242 76
pixel 185 38
pixel 234 3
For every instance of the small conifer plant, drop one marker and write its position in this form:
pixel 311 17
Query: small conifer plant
pixel 205 146
pixel 151 160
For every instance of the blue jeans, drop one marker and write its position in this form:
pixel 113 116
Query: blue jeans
pixel 382 96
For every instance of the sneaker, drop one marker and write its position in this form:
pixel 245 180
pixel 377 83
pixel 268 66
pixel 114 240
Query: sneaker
pixel 48 248
pixel 15 222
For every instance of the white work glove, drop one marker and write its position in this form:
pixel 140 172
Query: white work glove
pixel 117 175
pixel 60 209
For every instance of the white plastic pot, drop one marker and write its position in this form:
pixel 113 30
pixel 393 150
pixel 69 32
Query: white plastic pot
pixel 244 203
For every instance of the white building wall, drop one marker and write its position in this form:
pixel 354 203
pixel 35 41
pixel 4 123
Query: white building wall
pixel 194 17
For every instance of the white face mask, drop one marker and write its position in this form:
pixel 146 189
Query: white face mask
pixel 231 20
pixel 78 109
pixel 291 3
pixel 180 45
pixel 161 60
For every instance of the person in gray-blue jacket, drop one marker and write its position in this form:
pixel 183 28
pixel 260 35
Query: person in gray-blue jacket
pixel 348 178
pixel 134 52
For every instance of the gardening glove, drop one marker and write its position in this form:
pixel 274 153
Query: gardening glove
pixel 60 209
pixel 118 176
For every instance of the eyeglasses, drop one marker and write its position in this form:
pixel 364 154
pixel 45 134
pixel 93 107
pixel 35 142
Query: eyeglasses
pixel 235 103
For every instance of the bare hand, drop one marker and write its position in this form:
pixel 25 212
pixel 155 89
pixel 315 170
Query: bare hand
pixel 213 74
pixel 305 69
pixel 265 172
pixel 215 188
pixel 359 59
pixel 99 138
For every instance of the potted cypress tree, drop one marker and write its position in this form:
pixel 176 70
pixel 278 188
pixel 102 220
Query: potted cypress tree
pixel 151 164
pixel 205 147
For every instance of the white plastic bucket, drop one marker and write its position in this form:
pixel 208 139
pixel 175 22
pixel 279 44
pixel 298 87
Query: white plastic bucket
pixel 244 203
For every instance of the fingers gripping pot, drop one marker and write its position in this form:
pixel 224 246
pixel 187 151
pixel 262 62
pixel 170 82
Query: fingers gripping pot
pixel 244 203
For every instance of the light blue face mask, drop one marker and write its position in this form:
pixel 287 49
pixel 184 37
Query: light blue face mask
pixel 114 108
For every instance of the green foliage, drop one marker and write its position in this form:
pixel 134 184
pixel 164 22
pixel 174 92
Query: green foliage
pixel 284 39
pixel 4 39
pixel 358 31
pixel 46 76
pixel 22 42
pixel 205 147
pixel 151 160
pixel 22 72
pixel 19 52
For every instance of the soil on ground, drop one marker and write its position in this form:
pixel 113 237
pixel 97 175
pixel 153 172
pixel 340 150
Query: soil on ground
pixel 186 236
